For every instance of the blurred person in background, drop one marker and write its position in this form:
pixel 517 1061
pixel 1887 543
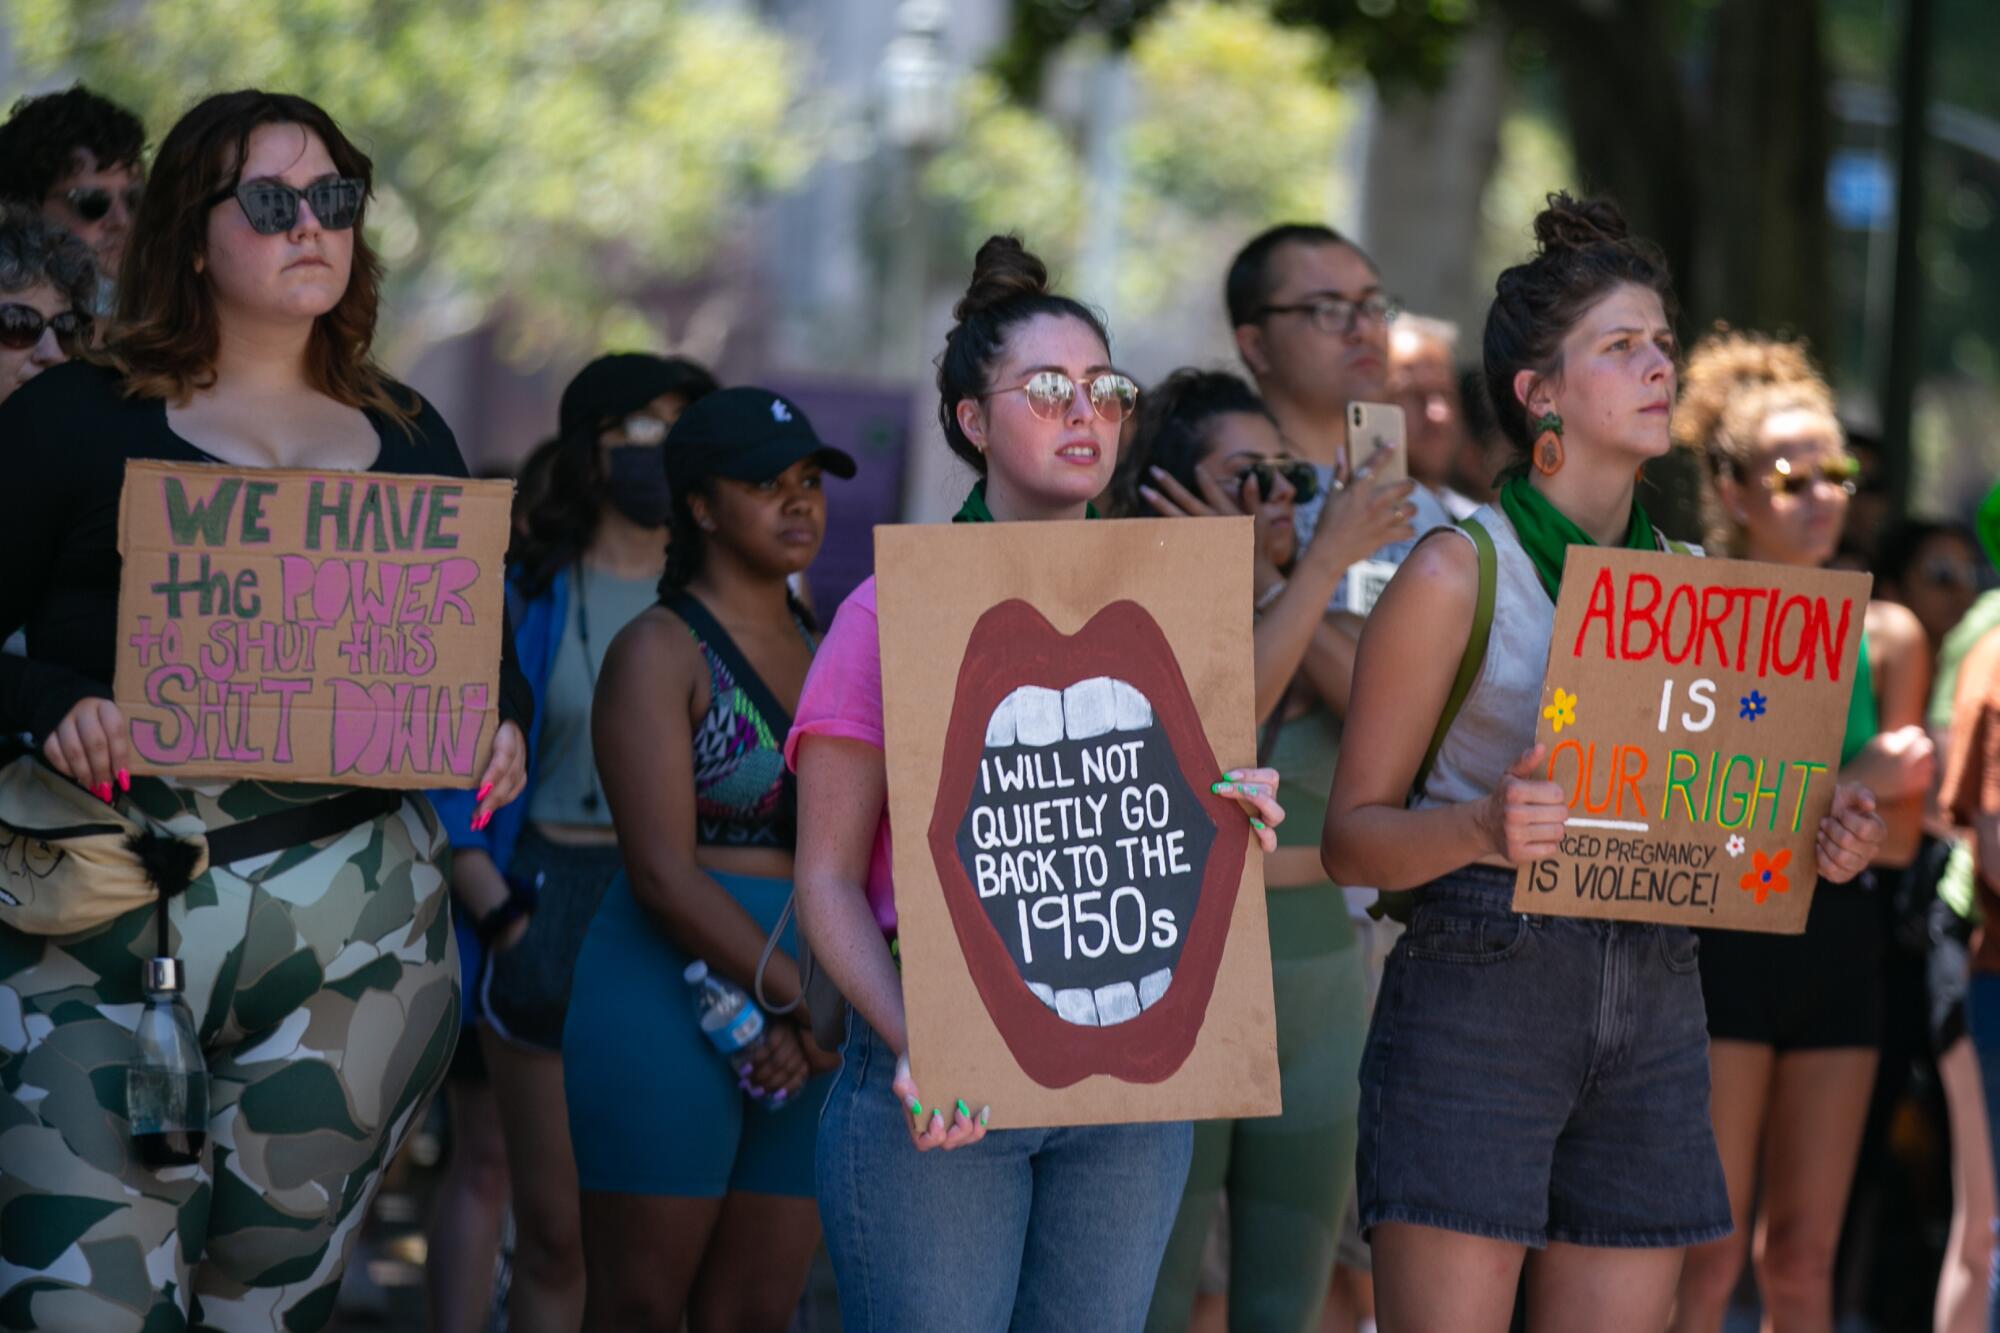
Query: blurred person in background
pixel 1935 568
pixel 1204 445
pixel 1423 382
pixel 1483 450
pixel 76 157
pixel 589 560
pixel 47 285
pixel 1795 1022
pixel 697 1180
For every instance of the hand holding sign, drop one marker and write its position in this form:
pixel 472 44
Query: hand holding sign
pixel 1849 835
pixel 1525 814
pixel 88 747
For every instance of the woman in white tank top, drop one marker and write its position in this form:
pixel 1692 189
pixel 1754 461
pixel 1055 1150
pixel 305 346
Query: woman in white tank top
pixel 1535 1089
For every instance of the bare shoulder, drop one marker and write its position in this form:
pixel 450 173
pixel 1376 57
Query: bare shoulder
pixel 655 647
pixel 1440 575
pixel 1895 632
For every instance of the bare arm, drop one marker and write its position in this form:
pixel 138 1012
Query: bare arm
pixel 1899 764
pixel 843 787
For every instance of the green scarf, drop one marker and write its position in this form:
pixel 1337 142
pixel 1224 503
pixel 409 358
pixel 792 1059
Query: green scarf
pixel 1546 532
pixel 974 509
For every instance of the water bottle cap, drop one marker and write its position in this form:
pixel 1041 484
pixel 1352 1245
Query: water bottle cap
pixel 695 973
pixel 165 974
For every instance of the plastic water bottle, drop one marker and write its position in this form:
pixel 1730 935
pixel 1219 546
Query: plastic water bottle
pixel 166 1085
pixel 728 1019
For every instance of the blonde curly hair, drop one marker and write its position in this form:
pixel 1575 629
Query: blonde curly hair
pixel 1732 384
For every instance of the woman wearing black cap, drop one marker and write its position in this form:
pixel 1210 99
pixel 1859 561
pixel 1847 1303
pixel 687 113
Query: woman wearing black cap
pixel 698 1186
pixel 528 883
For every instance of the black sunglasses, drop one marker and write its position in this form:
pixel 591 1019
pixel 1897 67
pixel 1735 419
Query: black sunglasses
pixel 21 328
pixel 1302 476
pixel 92 202
pixel 273 206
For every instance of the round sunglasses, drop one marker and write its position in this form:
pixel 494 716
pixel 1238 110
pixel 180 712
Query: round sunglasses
pixel 1302 477
pixel 21 327
pixel 1785 478
pixel 273 206
pixel 1050 393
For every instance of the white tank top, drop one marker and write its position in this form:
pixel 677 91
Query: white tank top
pixel 1496 723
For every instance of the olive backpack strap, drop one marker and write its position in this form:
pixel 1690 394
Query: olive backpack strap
pixel 1474 656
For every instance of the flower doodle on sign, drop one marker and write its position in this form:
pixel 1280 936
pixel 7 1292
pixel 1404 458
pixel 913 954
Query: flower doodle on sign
pixel 1089 873
pixel 1734 846
pixel 1751 706
pixel 1766 875
pixel 1561 713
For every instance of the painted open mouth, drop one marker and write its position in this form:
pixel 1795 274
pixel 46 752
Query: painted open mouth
pixel 1089 872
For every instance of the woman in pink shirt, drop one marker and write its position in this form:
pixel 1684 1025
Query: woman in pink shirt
pixel 931 1221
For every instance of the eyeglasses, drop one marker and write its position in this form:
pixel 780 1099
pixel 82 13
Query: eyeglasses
pixel 1337 315
pixel 1050 394
pixel 1786 479
pixel 21 328
pixel 92 202
pixel 273 206
pixel 1299 475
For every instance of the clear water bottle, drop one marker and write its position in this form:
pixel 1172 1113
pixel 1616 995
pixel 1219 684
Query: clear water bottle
pixel 730 1021
pixel 166 1085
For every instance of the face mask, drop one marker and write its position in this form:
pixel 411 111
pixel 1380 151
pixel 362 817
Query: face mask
pixel 635 483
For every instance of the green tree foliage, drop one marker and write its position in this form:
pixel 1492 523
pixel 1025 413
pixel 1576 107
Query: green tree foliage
pixel 542 157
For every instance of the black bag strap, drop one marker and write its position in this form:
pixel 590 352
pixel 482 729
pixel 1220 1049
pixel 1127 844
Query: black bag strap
pixel 709 630
pixel 299 825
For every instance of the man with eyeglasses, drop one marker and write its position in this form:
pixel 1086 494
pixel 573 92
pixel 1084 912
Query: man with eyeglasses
pixel 75 156
pixel 1312 325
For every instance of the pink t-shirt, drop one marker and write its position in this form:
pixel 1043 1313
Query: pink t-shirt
pixel 843 697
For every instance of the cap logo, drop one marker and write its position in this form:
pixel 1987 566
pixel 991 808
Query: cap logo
pixel 779 412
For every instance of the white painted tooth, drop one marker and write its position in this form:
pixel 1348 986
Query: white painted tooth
pixel 1043 993
pixel 1131 711
pixel 1077 1006
pixel 1153 985
pixel 1000 727
pixel 1116 1003
pixel 1088 708
pixel 1038 715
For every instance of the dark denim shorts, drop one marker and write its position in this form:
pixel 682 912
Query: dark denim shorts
pixel 1535 1079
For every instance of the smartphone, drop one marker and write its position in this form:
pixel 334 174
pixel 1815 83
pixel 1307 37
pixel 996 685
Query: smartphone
pixel 1369 427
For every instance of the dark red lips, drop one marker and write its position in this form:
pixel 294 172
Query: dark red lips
pixel 1013 646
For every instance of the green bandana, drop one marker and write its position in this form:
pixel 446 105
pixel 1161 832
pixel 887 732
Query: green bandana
pixel 974 509
pixel 1545 532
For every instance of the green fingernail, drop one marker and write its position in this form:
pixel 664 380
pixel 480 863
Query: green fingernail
pixel 916 1108
pixel 964 1111
pixel 984 1111
pixel 1219 788
pixel 1256 823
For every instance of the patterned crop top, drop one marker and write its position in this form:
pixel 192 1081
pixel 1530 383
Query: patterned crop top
pixel 743 794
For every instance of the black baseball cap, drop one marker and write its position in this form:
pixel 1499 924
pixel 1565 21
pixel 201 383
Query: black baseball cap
pixel 746 434
pixel 623 382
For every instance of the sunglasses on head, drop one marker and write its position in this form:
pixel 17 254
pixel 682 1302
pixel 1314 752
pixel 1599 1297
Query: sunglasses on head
pixel 273 206
pixel 1788 478
pixel 21 328
pixel 1050 393
pixel 1301 476
pixel 92 202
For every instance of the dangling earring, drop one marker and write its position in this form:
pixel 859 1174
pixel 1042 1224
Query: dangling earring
pixel 1548 452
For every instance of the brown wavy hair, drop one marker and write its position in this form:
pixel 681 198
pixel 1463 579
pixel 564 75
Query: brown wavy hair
pixel 1734 382
pixel 166 333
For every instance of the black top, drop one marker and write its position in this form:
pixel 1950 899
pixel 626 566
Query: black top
pixel 65 438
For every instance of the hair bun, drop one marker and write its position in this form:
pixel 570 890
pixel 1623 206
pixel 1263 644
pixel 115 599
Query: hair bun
pixel 1002 270
pixel 1570 224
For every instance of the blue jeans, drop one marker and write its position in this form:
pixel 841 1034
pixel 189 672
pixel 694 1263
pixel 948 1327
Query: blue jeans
pixel 1026 1229
pixel 1982 1020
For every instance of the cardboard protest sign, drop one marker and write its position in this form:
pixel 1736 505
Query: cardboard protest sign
pixel 1694 711
pixel 1080 921
pixel 310 626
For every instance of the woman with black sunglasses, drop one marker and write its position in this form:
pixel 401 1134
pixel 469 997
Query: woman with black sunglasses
pixel 1795 1021
pixel 1206 444
pixel 321 973
pixel 46 282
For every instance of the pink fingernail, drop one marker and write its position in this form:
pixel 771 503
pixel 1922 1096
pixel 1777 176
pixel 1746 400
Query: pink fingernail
pixel 103 792
pixel 480 795
pixel 124 779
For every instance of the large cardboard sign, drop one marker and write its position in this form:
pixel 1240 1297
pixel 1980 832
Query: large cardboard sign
pixel 310 626
pixel 1081 922
pixel 1694 710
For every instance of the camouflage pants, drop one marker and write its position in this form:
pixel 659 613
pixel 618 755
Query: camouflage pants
pixel 323 980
